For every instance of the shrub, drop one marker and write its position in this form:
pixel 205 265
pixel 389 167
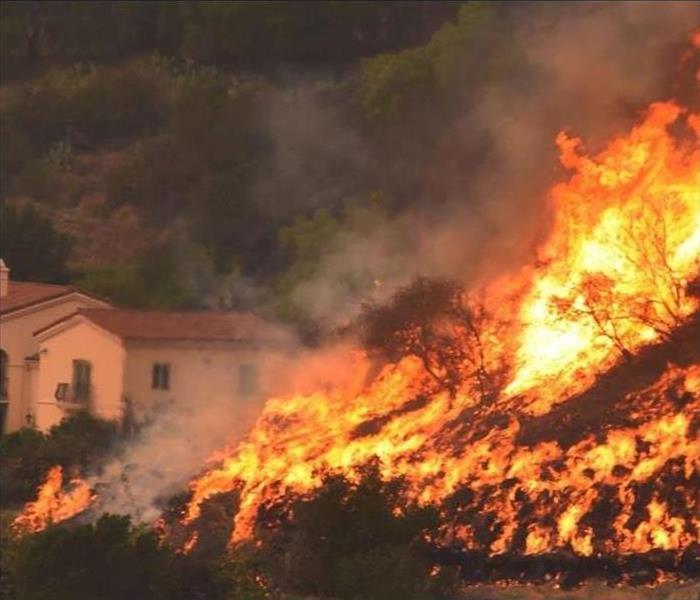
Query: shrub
pixel 31 246
pixel 80 441
pixel 152 282
pixel 22 465
pixel 353 541
pixel 86 106
pixel 16 152
pixel 110 560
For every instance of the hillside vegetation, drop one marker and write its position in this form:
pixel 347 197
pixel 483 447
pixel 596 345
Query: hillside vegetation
pixel 176 146
pixel 212 154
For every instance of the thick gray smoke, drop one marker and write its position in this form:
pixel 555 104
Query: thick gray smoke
pixel 593 67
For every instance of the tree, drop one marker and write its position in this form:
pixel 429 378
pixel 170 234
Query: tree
pixel 435 320
pixel 353 540
pixel 80 441
pixel 31 246
pixel 395 85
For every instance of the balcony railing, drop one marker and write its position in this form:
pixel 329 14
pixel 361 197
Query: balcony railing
pixel 72 395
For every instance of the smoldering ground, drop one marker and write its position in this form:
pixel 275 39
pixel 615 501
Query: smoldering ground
pixel 590 591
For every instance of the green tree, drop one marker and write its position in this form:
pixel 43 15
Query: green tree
pixel 353 541
pixel 80 441
pixel 394 84
pixel 31 246
pixel 398 85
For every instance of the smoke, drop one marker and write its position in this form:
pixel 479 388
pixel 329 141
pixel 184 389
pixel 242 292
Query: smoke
pixel 179 438
pixel 168 452
pixel 481 207
pixel 316 156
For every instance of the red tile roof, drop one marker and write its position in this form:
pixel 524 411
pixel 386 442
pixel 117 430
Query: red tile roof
pixel 21 294
pixel 184 325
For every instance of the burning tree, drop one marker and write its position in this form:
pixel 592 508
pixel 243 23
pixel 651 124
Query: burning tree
pixel 647 256
pixel 610 494
pixel 435 320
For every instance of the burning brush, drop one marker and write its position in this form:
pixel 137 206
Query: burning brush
pixel 568 437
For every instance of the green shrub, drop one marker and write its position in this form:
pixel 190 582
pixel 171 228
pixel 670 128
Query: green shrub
pixel 87 106
pixel 79 441
pixel 16 152
pixel 152 282
pixel 110 560
pixel 39 179
pixel 23 465
pixel 354 541
pixel 31 246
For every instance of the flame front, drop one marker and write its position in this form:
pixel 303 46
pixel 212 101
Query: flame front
pixel 588 440
pixel 611 282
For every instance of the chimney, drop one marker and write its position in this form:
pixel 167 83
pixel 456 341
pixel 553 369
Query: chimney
pixel 4 278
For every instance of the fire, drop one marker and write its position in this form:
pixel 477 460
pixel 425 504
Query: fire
pixel 53 504
pixel 625 242
pixel 612 279
pixel 589 445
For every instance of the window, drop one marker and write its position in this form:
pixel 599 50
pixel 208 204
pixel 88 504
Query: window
pixel 160 378
pixel 82 371
pixel 247 379
pixel 3 376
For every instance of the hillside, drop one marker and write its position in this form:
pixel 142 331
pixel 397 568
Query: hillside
pixel 209 154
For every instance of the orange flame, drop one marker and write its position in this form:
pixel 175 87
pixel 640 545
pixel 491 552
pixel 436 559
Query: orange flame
pixel 612 282
pixel 53 504
pixel 612 278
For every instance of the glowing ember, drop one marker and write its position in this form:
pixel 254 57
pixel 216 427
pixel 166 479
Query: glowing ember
pixel 53 503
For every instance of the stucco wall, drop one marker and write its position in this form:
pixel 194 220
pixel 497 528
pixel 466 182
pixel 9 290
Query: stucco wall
pixel 199 373
pixel 17 340
pixel 106 355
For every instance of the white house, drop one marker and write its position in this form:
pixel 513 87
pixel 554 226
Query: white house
pixel 112 360
pixel 25 307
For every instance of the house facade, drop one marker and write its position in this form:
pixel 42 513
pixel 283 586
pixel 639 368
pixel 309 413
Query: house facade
pixel 111 361
pixel 63 350
pixel 26 307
